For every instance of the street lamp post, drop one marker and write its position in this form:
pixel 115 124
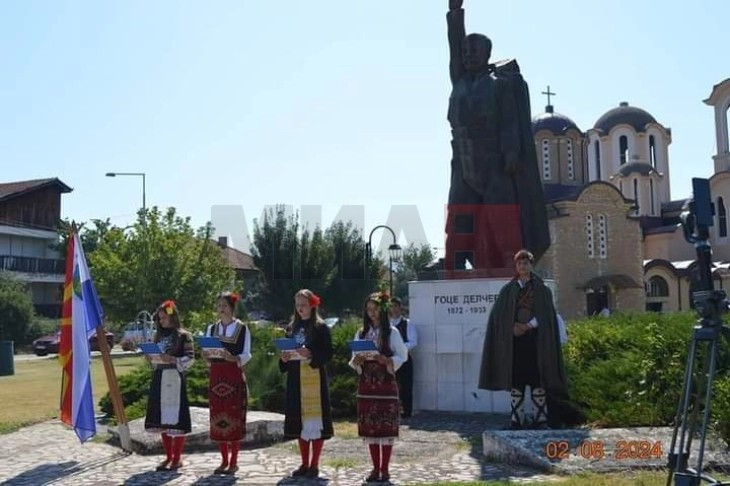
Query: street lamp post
pixel 144 225
pixel 144 189
pixel 394 251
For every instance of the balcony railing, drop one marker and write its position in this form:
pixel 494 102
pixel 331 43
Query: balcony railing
pixel 33 265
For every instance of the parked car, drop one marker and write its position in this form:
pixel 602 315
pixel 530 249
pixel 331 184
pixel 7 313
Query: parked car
pixel 258 315
pixel 50 344
pixel 139 331
pixel 332 321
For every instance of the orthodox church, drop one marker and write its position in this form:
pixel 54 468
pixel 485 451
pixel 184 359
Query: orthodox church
pixel 617 242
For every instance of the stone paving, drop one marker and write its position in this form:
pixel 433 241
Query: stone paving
pixel 432 447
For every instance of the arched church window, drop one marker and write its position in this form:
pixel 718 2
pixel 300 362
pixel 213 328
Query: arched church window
pixel 571 164
pixel 602 236
pixel 589 236
pixel 722 217
pixel 597 149
pixel 623 148
pixel 546 169
pixel 652 151
pixel 651 195
pixel 727 124
pixel 658 287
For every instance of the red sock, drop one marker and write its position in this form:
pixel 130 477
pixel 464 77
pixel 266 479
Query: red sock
pixel 304 451
pixel 235 446
pixel 375 456
pixel 223 446
pixel 177 447
pixel 316 451
pixel 167 444
pixel 387 451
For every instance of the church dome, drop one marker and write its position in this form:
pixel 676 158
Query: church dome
pixel 641 168
pixel 624 114
pixel 556 123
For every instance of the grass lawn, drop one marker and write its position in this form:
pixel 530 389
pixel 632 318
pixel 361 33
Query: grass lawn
pixel 33 394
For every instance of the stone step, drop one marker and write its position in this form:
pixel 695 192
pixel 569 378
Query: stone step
pixel 262 429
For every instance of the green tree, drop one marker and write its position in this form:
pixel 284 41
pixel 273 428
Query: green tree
pixel 289 261
pixel 274 250
pixel 352 280
pixel 91 234
pixel 330 263
pixel 413 260
pixel 16 308
pixel 160 257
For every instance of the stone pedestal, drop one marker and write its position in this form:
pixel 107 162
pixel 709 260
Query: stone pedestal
pixel 262 428
pixel 451 319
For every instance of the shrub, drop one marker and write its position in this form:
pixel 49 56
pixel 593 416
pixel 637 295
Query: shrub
pixel 343 379
pixel 628 370
pixel 41 326
pixel 16 309
pixel 721 408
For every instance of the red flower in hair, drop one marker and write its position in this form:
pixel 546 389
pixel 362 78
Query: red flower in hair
pixel 234 298
pixel 169 306
pixel 314 300
pixel 382 298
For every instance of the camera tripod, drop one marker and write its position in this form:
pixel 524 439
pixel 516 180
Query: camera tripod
pixel 711 305
pixel 707 335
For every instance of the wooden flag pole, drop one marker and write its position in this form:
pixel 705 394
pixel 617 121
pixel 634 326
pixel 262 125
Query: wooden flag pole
pixel 111 378
pixel 114 391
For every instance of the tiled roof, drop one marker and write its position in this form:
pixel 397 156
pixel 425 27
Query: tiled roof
pixel 238 259
pixel 14 189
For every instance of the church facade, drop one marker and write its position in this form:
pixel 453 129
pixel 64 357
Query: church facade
pixel 617 242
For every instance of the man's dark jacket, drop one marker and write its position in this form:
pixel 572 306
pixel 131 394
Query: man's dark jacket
pixel 496 369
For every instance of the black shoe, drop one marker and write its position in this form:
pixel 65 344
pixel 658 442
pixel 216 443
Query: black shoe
pixel 164 465
pixel 302 471
pixel 384 477
pixel 312 473
pixel 373 477
pixel 514 426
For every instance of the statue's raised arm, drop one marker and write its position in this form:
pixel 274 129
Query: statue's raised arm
pixel 457 33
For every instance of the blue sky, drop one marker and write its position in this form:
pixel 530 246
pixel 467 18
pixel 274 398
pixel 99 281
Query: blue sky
pixel 319 103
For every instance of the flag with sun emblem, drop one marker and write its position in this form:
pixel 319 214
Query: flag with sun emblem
pixel 81 315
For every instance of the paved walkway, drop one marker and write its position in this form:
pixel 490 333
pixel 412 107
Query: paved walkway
pixel 432 447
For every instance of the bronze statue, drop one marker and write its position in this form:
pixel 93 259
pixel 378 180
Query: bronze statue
pixel 494 160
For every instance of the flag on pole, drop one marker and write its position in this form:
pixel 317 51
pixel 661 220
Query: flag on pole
pixel 80 317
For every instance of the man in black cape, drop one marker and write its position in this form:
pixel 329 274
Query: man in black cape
pixel 522 346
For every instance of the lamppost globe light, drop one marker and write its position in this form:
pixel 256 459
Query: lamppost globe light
pixel 395 251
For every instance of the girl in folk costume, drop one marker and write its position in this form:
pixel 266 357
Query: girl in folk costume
pixel 308 416
pixel 167 406
pixel 228 393
pixel 378 406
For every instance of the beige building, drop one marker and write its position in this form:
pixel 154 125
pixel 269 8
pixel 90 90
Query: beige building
pixel 617 239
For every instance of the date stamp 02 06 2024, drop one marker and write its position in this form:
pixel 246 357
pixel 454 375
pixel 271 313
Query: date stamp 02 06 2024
pixel 598 449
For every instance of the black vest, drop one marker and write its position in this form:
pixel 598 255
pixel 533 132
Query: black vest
pixel 403 329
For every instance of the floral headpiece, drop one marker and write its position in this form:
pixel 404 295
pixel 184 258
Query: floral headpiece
pixel 314 300
pixel 233 298
pixel 382 298
pixel 169 306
